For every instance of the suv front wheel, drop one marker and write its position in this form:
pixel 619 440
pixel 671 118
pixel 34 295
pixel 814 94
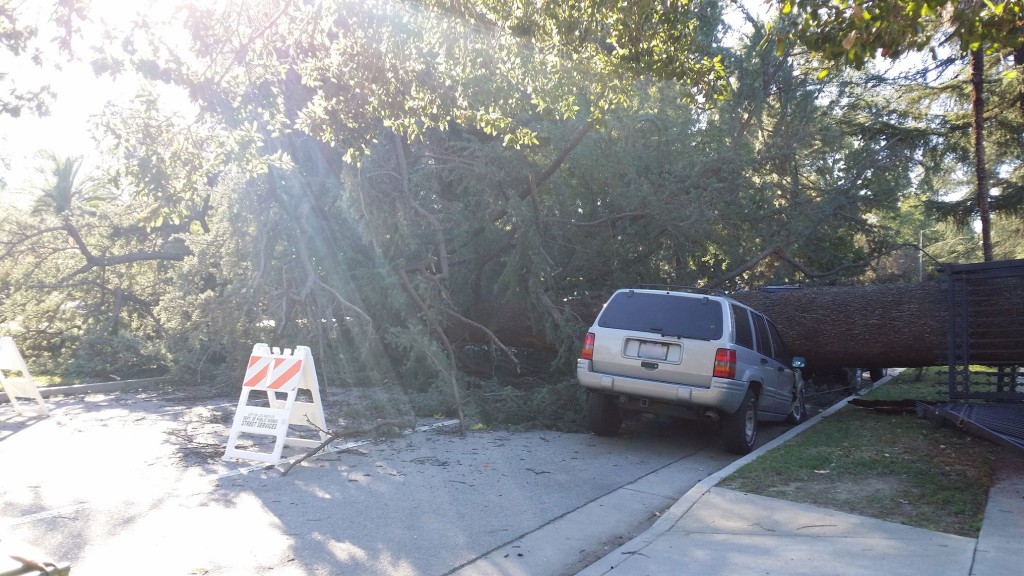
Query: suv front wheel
pixel 739 429
pixel 603 414
pixel 799 412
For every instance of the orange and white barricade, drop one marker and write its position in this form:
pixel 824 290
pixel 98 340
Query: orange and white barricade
pixel 20 387
pixel 277 373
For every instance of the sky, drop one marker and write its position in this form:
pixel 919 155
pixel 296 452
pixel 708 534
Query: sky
pixel 65 131
pixel 79 96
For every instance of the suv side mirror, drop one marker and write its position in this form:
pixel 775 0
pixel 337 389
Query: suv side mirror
pixel 798 362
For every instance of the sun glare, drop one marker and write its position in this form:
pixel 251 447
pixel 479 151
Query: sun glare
pixel 79 95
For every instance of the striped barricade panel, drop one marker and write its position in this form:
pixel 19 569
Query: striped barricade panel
pixel 279 373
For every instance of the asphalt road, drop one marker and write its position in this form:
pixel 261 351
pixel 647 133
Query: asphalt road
pixel 133 482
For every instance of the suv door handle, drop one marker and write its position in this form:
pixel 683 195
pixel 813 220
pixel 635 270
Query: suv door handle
pixel 764 361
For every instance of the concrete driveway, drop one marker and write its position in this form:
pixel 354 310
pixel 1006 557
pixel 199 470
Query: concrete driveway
pixel 124 482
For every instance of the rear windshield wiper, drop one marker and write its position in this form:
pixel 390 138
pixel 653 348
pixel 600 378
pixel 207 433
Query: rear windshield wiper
pixel 668 334
pixel 664 333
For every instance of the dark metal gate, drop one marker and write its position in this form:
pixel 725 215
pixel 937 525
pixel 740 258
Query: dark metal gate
pixel 986 349
pixel 986 329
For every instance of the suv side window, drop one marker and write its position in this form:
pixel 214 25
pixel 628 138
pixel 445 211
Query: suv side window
pixel 764 344
pixel 780 350
pixel 744 333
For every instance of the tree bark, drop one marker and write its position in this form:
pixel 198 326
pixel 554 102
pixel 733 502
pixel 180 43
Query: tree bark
pixel 978 107
pixel 873 326
pixel 884 325
pixel 1018 61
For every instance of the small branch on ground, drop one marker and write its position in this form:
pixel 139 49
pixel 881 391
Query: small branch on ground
pixel 333 435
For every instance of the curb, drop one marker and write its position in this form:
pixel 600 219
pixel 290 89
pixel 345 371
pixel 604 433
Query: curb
pixel 690 499
pixel 94 388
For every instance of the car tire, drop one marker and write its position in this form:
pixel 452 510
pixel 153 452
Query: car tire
pixel 849 378
pixel 739 429
pixel 799 412
pixel 603 414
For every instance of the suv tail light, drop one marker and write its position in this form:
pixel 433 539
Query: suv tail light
pixel 588 347
pixel 725 363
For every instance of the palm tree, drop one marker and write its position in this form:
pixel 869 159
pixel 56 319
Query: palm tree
pixel 61 188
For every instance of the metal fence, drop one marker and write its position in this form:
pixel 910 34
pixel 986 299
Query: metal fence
pixel 986 331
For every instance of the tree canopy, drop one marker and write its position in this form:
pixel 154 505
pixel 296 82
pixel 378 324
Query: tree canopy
pixel 436 194
pixel 853 32
pixel 858 30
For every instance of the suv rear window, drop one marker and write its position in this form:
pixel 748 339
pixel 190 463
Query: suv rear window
pixel 694 317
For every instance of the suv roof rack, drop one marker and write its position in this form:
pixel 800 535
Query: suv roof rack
pixel 674 288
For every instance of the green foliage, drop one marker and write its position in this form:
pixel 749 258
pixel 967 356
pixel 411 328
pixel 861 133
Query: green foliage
pixel 420 359
pixel 436 400
pixel 280 266
pixel 949 177
pixel 391 183
pixel 667 40
pixel 1008 237
pixel 556 405
pixel 165 160
pixel 856 31
pixel 120 357
pixel 78 275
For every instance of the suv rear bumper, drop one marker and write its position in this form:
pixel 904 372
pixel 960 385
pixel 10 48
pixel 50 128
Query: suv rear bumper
pixel 725 395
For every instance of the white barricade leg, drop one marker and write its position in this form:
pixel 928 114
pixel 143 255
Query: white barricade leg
pixel 25 397
pixel 258 421
pixel 20 387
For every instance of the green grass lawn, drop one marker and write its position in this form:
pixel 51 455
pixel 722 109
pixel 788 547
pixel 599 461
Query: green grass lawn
pixel 894 467
pixel 927 384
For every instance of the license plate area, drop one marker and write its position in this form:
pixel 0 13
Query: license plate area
pixel 652 350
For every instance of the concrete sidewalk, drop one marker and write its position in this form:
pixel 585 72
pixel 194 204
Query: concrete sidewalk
pixel 714 530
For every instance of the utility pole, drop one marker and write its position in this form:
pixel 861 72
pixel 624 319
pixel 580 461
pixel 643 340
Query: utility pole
pixel 920 257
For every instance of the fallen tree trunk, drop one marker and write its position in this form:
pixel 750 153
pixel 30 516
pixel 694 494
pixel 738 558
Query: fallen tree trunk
pixel 865 326
pixel 904 325
pixel 849 326
pixel 879 325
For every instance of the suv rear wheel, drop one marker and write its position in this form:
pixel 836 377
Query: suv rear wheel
pixel 739 429
pixel 603 414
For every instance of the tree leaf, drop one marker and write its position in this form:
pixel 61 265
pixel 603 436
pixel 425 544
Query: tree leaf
pixel 850 40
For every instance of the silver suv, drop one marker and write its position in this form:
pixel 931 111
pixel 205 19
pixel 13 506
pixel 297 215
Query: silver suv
pixel 683 353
